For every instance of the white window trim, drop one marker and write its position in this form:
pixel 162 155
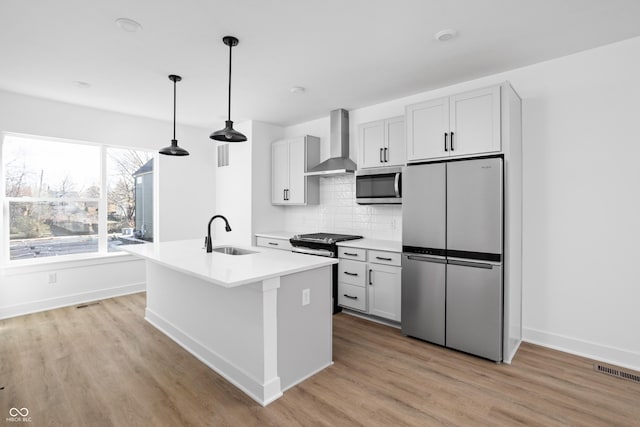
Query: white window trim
pixel 9 267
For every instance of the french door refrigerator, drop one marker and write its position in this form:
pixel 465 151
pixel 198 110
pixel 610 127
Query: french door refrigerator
pixel 452 228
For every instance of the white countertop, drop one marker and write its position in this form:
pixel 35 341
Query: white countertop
pixel 278 234
pixel 375 244
pixel 189 257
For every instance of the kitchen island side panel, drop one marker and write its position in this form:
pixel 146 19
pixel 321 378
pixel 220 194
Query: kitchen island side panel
pixel 305 332
pixel 223 327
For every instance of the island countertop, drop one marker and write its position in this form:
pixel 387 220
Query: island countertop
pixel 189 257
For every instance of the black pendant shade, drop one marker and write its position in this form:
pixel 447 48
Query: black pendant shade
pixel 228 134
pixel 173 149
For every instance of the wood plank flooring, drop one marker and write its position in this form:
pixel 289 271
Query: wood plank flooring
pixel 103 365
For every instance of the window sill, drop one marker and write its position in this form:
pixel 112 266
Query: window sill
pixel 55 263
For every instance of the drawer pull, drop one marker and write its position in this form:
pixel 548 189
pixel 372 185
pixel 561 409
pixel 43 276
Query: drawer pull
pixel 350 254
pixel 274 244
pixel 350 297
pixel 350 274
pixel 383 258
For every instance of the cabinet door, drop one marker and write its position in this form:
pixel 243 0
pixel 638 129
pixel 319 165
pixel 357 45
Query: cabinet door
pixel 384 291
pixel 297 158
pixel 394 142
pixel 427 124
pixel 475 122
pixel 279 171
pixel 371 147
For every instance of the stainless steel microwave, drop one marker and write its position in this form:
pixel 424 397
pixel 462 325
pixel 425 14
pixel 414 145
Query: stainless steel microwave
pixel 381 186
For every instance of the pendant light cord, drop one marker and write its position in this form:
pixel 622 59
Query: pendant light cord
pixel 229 103
pixel 174 109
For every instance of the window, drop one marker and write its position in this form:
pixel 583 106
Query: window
pixel 66 198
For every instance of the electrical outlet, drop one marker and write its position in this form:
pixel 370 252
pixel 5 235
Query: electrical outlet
pixel 53 278
pixel 306 296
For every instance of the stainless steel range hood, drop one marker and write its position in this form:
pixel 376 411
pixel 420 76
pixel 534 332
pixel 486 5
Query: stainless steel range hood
pixel 339 162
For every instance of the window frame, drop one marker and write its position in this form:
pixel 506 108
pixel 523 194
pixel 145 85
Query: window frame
pixel 70 260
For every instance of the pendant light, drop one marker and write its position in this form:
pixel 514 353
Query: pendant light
pixel 173 149
pixel 228 134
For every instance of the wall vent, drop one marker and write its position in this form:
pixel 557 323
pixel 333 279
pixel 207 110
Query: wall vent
pixel 223 155
pixel 88 304
pixel 617 373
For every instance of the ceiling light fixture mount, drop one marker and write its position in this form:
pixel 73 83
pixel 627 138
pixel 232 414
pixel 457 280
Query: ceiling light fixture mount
pixel 173 149
pixel 82 85
pixel 128 25
pixel 298 90
pixel 445 35
pixel 228 134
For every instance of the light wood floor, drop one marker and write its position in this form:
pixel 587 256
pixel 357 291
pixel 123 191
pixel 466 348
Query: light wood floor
pixel 104 365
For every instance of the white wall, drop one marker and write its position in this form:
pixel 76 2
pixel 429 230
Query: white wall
pixel 182 199
pixel 581 138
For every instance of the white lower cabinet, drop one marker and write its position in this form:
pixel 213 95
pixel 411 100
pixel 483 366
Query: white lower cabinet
pixel 384 291
pixel 371 283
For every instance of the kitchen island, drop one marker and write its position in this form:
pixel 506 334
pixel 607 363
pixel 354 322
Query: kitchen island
pixel 262 320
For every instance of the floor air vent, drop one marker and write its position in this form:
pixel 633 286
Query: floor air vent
pixel 88 304
pixel 617 373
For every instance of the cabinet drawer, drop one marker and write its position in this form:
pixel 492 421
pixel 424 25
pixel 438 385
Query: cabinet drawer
pixel 352 253
pixel 352 272
pixel 384 257
pixel 273 243
pixel 352 296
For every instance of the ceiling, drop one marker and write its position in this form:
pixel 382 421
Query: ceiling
pixel 346 53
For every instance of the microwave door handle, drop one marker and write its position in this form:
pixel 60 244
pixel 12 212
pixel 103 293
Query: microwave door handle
pixel 396 184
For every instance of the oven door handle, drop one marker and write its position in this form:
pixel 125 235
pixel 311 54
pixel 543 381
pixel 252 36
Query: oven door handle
pixel 318 252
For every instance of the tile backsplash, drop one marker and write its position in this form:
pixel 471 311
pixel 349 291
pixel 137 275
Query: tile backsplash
pixel 338 212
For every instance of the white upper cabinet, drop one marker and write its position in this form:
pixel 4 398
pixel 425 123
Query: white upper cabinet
pixel 290 159
pixel 381 143
pixel 459 125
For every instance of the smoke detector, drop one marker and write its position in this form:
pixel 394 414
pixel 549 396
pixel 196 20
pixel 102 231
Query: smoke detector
pixel 445 35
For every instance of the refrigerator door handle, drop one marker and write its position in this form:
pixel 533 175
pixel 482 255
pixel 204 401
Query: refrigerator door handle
pixel 470 264
pixel 426 259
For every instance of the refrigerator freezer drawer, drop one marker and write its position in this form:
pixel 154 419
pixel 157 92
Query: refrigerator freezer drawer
pixel 474 309
pixel 423 298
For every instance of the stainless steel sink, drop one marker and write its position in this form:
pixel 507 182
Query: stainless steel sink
pixel 230 250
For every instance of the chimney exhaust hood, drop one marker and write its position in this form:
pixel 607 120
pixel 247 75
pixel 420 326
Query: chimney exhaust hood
pixel 339 162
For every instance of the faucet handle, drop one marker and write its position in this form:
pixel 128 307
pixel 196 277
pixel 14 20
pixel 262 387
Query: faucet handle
pixel 206 240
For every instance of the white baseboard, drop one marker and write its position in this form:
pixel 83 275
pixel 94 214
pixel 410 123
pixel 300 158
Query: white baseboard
pixel 67 300
pixel 590 350
pixel 261 393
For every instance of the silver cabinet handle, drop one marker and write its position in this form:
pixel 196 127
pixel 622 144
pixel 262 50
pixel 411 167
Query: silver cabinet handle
pixel 386 158
pixel 350 254
pixel 350 297
pixel 350 274
pixel 445 142
pixel 381 160
pixel 370 274
pixel 451 143
pixel 274 244
pixel 383 259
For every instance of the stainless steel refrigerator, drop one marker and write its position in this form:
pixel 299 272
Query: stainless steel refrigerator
pixel 452 237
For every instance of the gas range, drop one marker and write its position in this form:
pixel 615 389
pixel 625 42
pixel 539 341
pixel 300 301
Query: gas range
pixel 322 244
